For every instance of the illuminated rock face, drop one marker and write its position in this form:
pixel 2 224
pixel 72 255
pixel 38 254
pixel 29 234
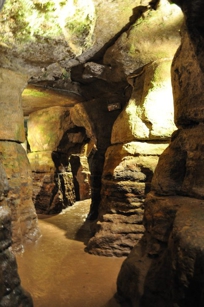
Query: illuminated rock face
pixel 129 167
pixel 147 116
pixel 149 112
pixel 11 118
pixel 165 267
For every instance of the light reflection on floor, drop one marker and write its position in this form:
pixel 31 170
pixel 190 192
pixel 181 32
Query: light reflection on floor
pixel 59 273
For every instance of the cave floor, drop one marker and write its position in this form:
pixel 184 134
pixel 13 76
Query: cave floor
pixel 59 273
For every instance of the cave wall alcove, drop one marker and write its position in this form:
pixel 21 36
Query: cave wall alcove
pixel 95 85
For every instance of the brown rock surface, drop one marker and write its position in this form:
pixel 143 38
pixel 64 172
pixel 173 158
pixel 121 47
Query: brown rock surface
pixel 180 170
pixel 188 99
pixel 129 167
pixel 11 292
pixel 166 267
pixel 24 219
pixel 126 178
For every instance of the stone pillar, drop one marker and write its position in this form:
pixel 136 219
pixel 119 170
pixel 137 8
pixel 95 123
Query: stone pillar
pixel 139 136
pixel 14 160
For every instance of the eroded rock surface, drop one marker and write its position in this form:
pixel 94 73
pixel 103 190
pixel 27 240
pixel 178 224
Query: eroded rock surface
pixel 129 167
pixel 11 292
pixel 165 268
pixel 13 158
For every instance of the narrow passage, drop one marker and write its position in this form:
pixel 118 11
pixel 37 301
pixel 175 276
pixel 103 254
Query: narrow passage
pixel 59 273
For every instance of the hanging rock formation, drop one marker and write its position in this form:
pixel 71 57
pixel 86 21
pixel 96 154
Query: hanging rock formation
pixel 165 267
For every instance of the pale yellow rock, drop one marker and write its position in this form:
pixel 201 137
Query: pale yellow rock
pixel 154 36
pixel 149 113
pixel 134 156
pixel 11 114
pixel 47 127
pixel 41 162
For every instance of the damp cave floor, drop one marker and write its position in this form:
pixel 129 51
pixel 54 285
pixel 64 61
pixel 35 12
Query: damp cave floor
pixel 58 272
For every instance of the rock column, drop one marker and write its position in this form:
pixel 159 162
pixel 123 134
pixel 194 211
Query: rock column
pixel 139 135
pixel 14 160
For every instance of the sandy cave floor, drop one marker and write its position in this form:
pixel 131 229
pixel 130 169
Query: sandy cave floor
pixel 59 273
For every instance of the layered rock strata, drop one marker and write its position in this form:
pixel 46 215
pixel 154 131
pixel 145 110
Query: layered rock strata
pixel 18 219
pixel 13 158
pixel 166 267
pixel 147 123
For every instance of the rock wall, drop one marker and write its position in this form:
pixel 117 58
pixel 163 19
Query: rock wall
pixel 140 133
pixel 165 267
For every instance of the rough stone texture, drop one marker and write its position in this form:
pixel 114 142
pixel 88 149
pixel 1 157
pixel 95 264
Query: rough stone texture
pixel 128 170
pixel 166 267
pixel 81 174
pixel 148 41
pixel 36 97
pixel 149 112
pixel 80 118
pixel 11 118
pixel 57 36
pixel 47 52
pixel 53 186
pixel 180 170
pixel 53 138
pixel 23 216
pixel 11 292
pixel 188 100
pixel 126 178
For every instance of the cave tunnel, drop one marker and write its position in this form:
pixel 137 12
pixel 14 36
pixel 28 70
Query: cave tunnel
pixel 101 153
